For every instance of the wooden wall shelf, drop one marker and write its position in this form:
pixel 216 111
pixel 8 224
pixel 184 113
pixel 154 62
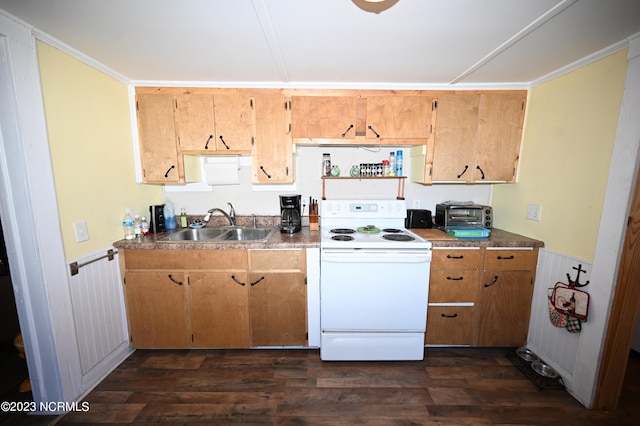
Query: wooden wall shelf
pixel 401 181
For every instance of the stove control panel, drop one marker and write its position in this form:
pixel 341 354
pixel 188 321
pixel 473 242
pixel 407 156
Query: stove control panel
pixel 363 208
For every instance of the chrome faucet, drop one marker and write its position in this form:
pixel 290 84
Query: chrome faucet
pixel 231 216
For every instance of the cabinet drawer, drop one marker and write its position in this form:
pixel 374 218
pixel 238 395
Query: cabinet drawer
pixel 185 259
pixel 456 259
pixel 276 259
pixel 451 325
pixel 453 286
pixel 510 260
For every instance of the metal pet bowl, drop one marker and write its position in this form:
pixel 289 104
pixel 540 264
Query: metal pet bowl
pixel 527 354
pixel 544 370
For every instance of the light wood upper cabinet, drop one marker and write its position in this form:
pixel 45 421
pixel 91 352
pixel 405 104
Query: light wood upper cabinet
pixel 214 124
pixel 272 152
pixel 399 117
pixel 499 135
pixel 323 117
pixel 454 147
pixel 157 138
pixel 477 139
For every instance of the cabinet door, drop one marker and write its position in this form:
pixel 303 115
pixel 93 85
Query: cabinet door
pixel 278 302
pixel 157 309
pixel 272 152
pixel 157 139
pixel 195 123
pixel 499 134
pixel 454 147
pixel 324 117
pixel 219 309
pixel 505 307
pixel 233 116
pixel 399 117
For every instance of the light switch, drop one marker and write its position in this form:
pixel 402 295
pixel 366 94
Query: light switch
pixel 534 211
pixel 80 228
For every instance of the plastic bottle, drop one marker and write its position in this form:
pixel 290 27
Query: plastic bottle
pixel 326 164
pixel 183 218
pixel 392 164
pixel 399 163
pixel 144 226
pixel 169 216
pixel 137 226
pixel 127 224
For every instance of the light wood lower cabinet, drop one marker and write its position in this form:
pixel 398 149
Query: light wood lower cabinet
pixel 453 289
pixel 278 297
pixel 214 298
pixel 157 309
pixel 480 297
pixel 505 296
pixel 219 304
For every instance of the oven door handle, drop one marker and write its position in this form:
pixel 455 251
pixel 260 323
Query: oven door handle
pixel 376 257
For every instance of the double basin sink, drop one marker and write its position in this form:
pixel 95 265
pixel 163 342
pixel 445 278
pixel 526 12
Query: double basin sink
pixel 224 234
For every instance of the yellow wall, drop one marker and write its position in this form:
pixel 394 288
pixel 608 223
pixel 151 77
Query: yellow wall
pixel 567 144
pixel 90 139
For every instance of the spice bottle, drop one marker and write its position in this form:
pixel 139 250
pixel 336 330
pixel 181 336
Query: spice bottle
pixel 326 164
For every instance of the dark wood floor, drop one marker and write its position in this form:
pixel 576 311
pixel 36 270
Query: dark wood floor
pixel 463 386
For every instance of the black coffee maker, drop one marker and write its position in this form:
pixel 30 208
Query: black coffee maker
pixel 290 213
pixel 156 223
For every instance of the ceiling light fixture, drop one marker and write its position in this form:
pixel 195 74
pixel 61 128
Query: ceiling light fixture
pixel 374 6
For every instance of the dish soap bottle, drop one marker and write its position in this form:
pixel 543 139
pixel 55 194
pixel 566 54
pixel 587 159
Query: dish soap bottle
pixel 183 218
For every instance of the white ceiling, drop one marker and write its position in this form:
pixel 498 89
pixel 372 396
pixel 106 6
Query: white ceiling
pixel 333 43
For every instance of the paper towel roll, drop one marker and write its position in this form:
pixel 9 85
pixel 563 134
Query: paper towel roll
pixel 222 170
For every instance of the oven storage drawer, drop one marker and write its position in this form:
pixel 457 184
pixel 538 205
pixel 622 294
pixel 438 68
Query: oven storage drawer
pixel 451 325
pixel 371 346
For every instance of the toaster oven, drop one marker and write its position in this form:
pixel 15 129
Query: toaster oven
pixel 475 215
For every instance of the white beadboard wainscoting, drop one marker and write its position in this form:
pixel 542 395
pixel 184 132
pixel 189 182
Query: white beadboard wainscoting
pixel 556 346
pixel 99 316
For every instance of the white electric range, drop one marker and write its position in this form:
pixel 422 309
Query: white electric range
pixel 374 282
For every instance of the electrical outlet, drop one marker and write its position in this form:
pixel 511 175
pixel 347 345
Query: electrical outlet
pixel 534 211
pixel 82 233
pixel 416 204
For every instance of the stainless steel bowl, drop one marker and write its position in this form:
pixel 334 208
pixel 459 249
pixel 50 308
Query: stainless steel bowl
pixel 544 370
pixel 527 355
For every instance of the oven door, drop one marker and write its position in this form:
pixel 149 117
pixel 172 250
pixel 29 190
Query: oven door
pixel 373 303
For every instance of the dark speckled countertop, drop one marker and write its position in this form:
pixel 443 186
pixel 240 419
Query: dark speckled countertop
pixel 497 238
pixel 307 239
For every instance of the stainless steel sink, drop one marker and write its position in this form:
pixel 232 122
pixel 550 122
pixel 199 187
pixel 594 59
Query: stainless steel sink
pixel 234 234
pixel 202 234
pixel 247 234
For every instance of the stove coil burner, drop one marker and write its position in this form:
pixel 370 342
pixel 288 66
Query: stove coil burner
pixel 342 237
pixel 398 237
pixel 392 230
pixel 343 231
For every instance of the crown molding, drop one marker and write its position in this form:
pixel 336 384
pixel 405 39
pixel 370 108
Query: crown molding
pixel 46 38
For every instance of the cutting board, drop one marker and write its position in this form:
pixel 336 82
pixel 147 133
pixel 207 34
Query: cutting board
pixel 432 234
